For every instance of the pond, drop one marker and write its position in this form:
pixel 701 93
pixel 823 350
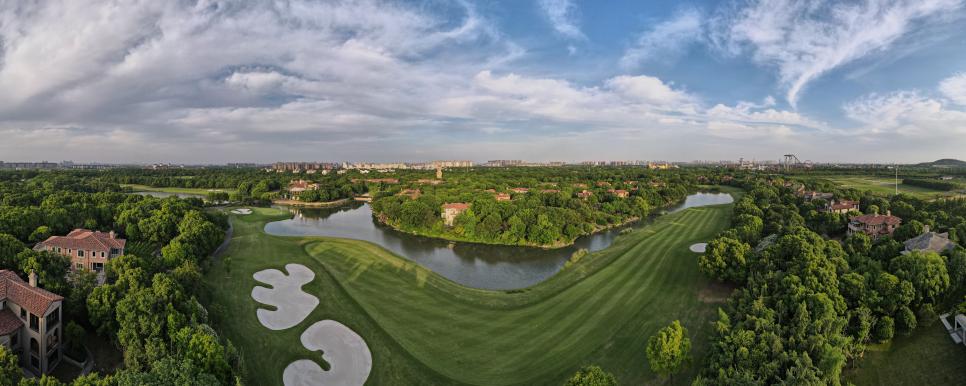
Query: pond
pixel 168 194
pixel 495 267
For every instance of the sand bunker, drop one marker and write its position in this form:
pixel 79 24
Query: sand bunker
pixel 292 305
pixel 242 211
pixel 346 352
pixel 699 247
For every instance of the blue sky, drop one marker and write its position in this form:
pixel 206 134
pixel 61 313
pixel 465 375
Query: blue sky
pixel 228 81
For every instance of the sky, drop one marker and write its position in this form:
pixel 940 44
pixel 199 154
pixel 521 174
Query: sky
pixel 260 81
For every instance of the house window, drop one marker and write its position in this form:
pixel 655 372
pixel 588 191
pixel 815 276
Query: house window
pixel 98 267
pixel 15 339
pixel 79 265
pixel 53 319
pixel 102 253
pixel 80 253
pixel 34 346
pixel 23 313
pixel 34 322
pixel 34 362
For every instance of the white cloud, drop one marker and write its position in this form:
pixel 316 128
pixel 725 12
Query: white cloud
pixel 906 113
pixel 649 90
pixel 954 88
pixel 562 15
pixel 667 39
pixel 806 39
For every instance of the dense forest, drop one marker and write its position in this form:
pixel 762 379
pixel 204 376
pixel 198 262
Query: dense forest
pixel 539 206
pixel 807 305
pixel 149 307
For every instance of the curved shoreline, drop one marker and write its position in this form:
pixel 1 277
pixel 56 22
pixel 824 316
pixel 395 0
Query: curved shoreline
pixel 658 212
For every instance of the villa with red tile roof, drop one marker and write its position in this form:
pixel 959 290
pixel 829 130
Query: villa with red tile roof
pixel 584 194
pixel 520 190
pixel 842 206
pixel 502 196
pixel 30 322
pixel 618 192
pixel 87 249
pixel 874 225
pixel 450 211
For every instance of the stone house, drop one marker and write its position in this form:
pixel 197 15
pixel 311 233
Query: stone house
pixel 30 322
pixel 874 225
pixel 930 242
pixel 451 211
pixel 90 250
pixel 842 206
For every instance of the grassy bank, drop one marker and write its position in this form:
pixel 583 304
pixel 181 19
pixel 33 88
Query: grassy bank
pixel 885 186
pixel 425 329
pixel 927 357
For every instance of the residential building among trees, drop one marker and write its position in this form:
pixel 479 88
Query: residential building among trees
pixel 874 225
pixel 30 322
pixel 450 211
pixel 90 250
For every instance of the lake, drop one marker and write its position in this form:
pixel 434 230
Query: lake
pixel 495 267
pixel 167 194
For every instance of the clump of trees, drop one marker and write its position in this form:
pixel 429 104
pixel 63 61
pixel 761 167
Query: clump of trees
pixel 149 306
pixel 551 213
pixel 592 376
pixel 808 304
pixel 931 184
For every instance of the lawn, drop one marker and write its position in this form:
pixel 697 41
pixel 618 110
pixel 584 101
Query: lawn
pixel 885 186
pixel 201 191
pixel 425 329
pixel 927 357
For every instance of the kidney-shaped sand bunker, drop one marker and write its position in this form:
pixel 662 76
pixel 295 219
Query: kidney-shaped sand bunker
pixel 292 304
pixel 346 352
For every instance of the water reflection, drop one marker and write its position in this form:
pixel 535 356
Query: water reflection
pixel 167 194
pixel 470 264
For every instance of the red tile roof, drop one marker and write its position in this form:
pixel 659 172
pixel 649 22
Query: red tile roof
pixel 34 299
pixel 875 219
pixel 85 239
pixel 456 206
pixel 844 204
pixel 9 322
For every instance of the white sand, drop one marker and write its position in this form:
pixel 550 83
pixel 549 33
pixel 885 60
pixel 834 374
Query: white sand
pixel 346 352
pixel 292 304
pixel 242 211
pixel 699 247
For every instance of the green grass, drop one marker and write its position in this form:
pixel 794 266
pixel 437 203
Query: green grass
pixel 927 357
pixel 425 329
pixel 885 186
pixel 201 191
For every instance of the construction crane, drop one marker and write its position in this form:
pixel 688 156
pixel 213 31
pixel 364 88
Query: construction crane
pixel 788 161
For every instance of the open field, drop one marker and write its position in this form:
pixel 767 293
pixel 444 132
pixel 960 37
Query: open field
pixel 927 357
pixel 201 191
pixel 885 186
pixel 424 329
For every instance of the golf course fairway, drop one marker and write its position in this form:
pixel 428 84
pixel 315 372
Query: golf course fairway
pixel 424 329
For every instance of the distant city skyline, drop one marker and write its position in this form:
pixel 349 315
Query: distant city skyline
pixel 540 80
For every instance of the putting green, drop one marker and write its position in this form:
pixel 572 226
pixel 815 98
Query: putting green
pixel 425 329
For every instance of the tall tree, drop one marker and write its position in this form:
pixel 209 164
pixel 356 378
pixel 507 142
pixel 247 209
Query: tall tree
pixel 669 350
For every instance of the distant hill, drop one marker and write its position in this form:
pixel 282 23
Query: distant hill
pixel 945 163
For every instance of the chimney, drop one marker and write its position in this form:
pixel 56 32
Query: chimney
pixel 925 228
pixel 113 235
pixel 889 212
pixel 33 279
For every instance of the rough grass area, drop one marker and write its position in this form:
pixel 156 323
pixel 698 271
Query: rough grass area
pixel 885 186
pixel 201 191
pixel 425 329
pixel 927 357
